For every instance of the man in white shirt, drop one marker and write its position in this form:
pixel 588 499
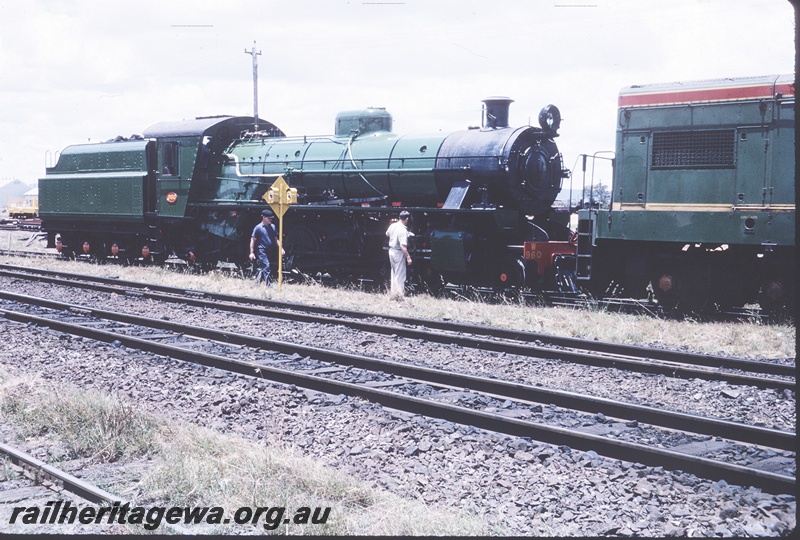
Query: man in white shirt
pixel 398 255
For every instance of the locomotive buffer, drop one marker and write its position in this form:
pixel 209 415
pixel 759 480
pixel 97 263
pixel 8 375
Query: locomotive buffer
pixel 280 197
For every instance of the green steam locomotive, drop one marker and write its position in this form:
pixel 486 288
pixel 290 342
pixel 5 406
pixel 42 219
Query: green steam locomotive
pixel 193 190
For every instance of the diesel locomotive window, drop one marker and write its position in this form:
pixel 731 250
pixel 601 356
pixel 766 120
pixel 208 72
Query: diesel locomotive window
pixel 694 149
pixel 169 159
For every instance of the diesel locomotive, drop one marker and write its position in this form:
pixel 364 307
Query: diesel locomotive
pixel 193 190
pixel 703 201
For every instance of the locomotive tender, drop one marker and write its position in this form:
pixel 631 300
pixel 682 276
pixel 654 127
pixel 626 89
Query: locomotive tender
pixel 194 190
pixel 703 200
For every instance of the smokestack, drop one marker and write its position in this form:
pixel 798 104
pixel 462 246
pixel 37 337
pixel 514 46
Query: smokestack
pixel 495 112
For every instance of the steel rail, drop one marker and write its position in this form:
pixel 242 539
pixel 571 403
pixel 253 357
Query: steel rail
pixel 29 254
pixel 736 431
pixel 615 449
pixel 744 433
pixel 627 356
pixel 63 479
pixel 503 333
pixel 72 484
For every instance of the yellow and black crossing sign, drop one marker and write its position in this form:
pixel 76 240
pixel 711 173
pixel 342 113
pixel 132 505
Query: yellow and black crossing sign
pixel 280 196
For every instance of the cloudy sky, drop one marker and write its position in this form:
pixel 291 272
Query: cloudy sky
pixel 73 71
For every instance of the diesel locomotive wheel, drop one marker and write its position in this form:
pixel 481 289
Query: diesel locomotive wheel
pixel 776 297
pixel 665 291
pixel 680 291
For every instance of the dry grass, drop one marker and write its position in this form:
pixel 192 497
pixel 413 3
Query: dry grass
pixel 101 428
pixel 743 339
pixel 199 467
pixel 7 472
pixel 244 475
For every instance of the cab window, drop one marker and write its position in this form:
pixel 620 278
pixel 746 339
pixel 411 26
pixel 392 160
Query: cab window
pixel 169 159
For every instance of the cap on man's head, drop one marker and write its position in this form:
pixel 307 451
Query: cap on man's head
pixel 266 212
pixel 405 214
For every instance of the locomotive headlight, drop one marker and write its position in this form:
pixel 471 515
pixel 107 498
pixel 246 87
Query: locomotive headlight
pixel 536 168
pixel 550 118
pixel 172 197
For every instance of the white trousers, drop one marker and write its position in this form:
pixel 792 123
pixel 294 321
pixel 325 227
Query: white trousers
pixel 398 262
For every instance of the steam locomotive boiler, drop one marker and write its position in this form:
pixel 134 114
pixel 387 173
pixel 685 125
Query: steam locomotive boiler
pixel 194 189
pixel 476 195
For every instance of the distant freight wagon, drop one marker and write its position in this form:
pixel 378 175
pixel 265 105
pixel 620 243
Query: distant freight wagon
pixel 24 207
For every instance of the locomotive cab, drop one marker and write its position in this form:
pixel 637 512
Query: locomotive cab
pixel 121 195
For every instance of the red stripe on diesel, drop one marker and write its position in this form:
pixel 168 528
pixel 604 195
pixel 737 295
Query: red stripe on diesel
pixel 705 95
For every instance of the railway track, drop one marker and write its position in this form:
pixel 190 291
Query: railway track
pixel 578 301
pixel 762 374
pixel 56 479
pixel 52 480
pixel 20 224
pixel 30 254
pixel 456 397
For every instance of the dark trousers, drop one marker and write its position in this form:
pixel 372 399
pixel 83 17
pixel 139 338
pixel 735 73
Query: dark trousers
pixel 264 267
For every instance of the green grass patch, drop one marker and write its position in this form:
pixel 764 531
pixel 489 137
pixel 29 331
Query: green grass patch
pixel 98 427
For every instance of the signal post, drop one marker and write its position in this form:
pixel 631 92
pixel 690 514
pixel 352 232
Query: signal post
pixel 280 197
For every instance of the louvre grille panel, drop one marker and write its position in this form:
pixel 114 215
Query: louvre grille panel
pixel 694 149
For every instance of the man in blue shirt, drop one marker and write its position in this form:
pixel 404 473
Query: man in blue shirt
pixel 264 245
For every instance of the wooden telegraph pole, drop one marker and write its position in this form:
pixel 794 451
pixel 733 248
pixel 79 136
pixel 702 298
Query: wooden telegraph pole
pixel 255 84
